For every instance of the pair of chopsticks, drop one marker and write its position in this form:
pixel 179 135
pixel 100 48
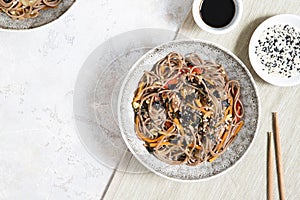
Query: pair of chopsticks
pixel 279 165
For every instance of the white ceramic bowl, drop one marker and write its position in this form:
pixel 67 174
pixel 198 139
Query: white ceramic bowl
pixel 236 18
pixel 292 20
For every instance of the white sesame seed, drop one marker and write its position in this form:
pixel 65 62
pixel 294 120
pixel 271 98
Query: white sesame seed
pixel 278 50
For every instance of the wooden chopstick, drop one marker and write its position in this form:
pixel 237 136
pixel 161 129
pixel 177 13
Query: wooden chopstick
pixel 270 169
pixel 279 165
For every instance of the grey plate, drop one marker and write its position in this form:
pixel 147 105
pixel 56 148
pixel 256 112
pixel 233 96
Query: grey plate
pixel 45 17
pixel 235 69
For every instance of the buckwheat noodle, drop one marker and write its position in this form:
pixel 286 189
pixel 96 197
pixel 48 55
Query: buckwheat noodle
pixel 22 9
pixel 186 109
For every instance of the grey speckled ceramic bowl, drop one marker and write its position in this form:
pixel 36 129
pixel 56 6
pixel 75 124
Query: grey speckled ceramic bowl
pixel 249 96
pixel 45 17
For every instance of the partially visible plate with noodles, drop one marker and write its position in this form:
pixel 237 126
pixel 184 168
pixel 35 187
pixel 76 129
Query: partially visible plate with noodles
pixel 28 14
pixel 188 110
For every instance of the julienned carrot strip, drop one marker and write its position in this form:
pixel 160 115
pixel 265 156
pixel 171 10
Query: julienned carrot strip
pixel 230 104
pixel 198 103
pixel 161 144
pixel 176 121
pixel 213 159
pixel 169 130
pixel 224 118
pixel 140 135
pixel 240 125
pixel 162 69
pixel 207 114
pixel 193 146
pixel 228 111
pixel 153 144
pixel 201 109
pixel 223 136
pixel 223 140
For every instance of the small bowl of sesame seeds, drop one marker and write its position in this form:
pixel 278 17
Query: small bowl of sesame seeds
pixel 274 50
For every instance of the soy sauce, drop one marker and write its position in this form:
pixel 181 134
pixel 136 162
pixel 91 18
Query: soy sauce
pixel 217 13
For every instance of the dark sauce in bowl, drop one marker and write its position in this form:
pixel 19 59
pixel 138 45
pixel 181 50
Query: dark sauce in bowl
pixel 217 13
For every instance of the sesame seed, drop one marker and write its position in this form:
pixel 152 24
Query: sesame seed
pixel 278 50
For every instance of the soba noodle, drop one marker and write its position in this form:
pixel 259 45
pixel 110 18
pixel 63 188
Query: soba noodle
pixel 22 9
pixel 186 109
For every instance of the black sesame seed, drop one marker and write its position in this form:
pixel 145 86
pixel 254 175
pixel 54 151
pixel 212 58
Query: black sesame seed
pixel 279 46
